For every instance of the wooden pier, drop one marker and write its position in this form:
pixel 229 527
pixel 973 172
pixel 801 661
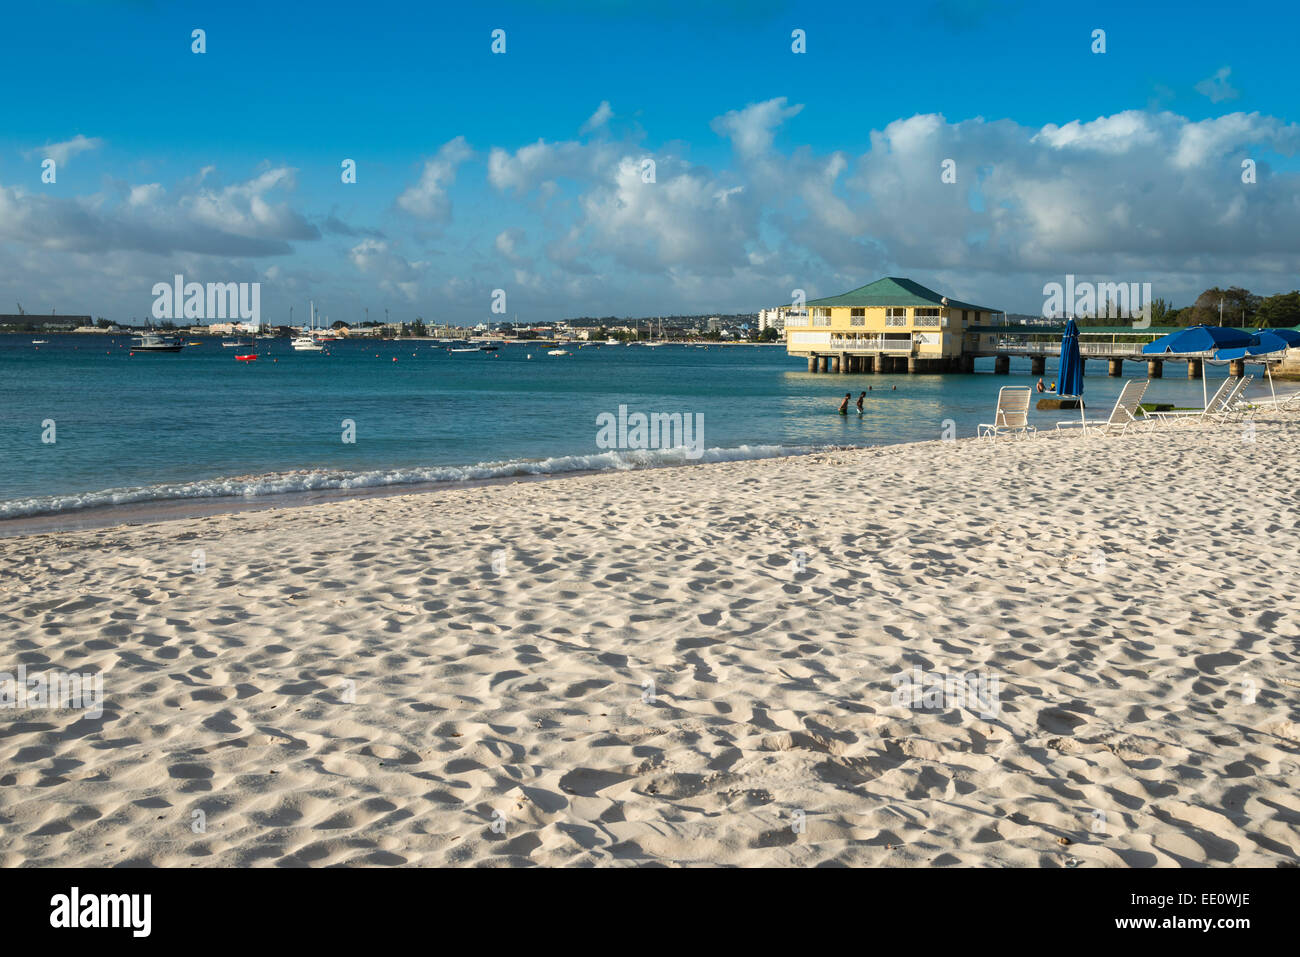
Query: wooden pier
pixel 1115 345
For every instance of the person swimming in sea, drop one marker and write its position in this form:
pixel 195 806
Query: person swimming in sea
pixel 1039 387
pixel 844 406
pixel 861 396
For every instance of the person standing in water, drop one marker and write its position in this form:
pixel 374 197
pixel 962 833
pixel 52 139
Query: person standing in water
pixel 1039 387
pixel 861 396
pixel 844 406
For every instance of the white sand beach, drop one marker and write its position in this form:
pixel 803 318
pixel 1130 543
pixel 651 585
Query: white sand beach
pixel 687 666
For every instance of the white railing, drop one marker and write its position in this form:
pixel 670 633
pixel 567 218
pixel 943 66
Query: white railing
pixel 1110 348
pixel 896 320
pixel 871 345
pixel 1054 348
pixel 931 322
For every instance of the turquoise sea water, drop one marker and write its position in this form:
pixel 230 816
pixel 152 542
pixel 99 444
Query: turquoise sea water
pixel 199 424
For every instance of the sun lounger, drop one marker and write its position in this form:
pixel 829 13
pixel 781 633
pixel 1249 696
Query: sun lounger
pixel 1219 403
pixel 1287 402
pixel 1127 411
pixel 1012 416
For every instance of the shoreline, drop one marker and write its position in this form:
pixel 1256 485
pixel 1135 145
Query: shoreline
pixel 149 511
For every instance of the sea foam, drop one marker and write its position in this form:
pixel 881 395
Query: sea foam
pixel 308 480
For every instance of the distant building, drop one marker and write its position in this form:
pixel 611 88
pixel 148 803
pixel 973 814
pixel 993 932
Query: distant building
pixel 713 324
pixel 772 318
pixel 889 318
pixel 51 323
pixel 228 328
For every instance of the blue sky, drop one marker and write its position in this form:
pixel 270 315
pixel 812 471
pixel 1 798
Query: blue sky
pixel 774 170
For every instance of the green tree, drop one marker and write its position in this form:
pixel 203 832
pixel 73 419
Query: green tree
pixel 1280 311
pixel 1161 309
pixel 1238 307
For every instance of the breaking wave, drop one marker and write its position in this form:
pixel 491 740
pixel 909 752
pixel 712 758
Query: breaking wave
pixel 308 480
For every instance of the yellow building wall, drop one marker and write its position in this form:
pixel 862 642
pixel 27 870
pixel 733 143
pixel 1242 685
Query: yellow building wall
pixel 945 339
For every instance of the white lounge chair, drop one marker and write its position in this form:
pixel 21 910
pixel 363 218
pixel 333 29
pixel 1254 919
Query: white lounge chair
pixel 1236 405
pixel 1230 388
pixel 1286 402
pixel 1012 416
pixel 1127 411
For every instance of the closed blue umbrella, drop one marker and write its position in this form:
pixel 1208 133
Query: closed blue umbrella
pixel 1070 376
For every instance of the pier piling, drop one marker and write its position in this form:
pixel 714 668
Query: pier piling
pixel 1037 365
pixel 1116 368
pixel 1237 367
pixel 1194 370
pixel 1155 368
pixel 1001 365
pixel 812 363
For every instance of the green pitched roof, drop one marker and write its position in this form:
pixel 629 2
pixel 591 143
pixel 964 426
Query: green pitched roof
pixel 894 291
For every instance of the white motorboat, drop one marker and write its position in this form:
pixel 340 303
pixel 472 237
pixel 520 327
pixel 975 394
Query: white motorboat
pixel 153 342
pixel 308 342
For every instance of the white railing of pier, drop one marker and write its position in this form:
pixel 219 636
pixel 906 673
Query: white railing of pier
pixel 1054 348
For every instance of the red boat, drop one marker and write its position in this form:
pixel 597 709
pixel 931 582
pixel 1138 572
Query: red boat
pixel 248 358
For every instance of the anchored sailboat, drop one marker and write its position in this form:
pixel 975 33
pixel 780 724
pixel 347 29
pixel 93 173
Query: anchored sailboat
pixel 307 341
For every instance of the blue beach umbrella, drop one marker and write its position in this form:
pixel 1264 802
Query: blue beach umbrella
pixel 1266 342
pixel 1198 342
pixel 1290 336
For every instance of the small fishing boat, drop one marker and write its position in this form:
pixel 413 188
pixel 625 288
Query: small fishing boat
pixel 558 352
pixel 251 357
pixel 40 342
pixel 488 348
pixel 470 349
